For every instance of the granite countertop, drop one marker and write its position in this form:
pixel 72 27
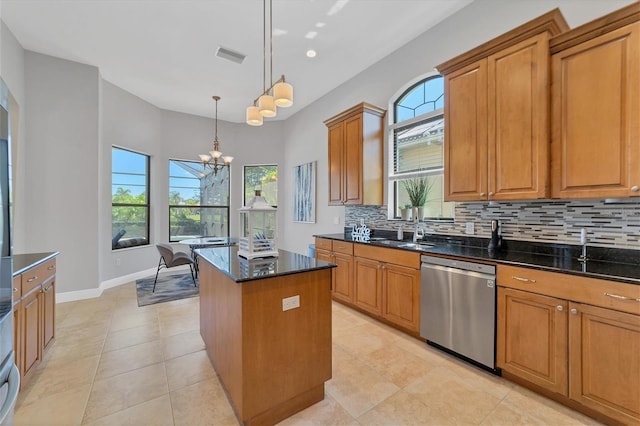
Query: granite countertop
pixel 239 269
pixel 22 262
pixel 605 263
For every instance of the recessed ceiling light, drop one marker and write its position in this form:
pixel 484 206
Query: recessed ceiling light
pixel 311 53
pixel 311 35
pixel 320 24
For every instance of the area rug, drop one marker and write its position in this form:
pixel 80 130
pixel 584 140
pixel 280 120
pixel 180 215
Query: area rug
pixel 171 286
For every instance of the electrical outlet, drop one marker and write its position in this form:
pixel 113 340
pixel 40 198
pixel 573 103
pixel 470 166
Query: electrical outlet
pixel 469 228
pixel 291 302
pixel 118 261
pixel 336 220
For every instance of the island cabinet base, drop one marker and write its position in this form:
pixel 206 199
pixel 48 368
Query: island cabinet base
pixel 272 363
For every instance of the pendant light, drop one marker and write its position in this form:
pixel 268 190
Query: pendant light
pixel 278 94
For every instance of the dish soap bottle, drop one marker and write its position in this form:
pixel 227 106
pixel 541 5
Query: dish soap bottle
pixel 400 233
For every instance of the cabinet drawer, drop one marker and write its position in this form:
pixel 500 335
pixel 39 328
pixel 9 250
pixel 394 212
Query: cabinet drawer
pixel 342 247
pixel 323 244
pixel 37 275
pixel 17 287
pixel 388 255
pixel 607 294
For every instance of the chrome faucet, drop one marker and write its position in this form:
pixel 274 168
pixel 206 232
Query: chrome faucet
pixel 583 241
pixel 417 231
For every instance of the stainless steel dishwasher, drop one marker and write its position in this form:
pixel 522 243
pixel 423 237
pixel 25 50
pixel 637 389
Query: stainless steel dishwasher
pixel 457 308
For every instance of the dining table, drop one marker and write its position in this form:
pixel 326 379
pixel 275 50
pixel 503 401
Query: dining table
pixel 204 242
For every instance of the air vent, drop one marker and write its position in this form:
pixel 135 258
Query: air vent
pixel 229 54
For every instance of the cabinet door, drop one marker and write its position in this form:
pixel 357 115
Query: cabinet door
pixel 596 102
pixel 353 160
pixel 368 285
pixel 17 335
pixel 326 256
pixel 465 148
pixel 532 338
pixel 343 278
pixel 49 312
pixel 518 120
pixel 32 331
pixel 401 296
pixel 605 361
pixel 336 164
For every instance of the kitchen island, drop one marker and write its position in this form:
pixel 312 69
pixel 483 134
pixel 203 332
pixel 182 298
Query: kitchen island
pixel 266 325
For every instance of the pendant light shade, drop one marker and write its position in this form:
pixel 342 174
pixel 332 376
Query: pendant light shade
pixel 254 118
pixel 266 106
pixel 283 94
pixel 278 94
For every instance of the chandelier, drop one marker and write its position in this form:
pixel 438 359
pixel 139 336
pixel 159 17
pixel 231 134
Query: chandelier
pixel 278 94
pixel 212 160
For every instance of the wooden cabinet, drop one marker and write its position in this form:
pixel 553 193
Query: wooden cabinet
pixel 340 253
pixel 356 155
pixel 574 336
pixel 34 316
pixel 604 362
pixel 387 284
pixel 497 114
pixel 596 108
pixel 368 285
pixel 532 338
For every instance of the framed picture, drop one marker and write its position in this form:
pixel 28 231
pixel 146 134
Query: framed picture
pixel 304 193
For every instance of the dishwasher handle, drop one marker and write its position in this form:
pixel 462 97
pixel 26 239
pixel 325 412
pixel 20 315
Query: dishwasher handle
pixel 459 264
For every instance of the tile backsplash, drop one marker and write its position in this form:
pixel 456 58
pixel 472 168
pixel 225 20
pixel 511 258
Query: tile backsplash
pixel 608 224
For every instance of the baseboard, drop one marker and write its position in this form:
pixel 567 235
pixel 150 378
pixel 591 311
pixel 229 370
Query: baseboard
pixel 72 296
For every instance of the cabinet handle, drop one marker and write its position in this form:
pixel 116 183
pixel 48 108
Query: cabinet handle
pixel 635 188
pixel 482 194
pixel 574 311
pixel 560 308
pixel 524 280
pixel 45 290
pixel 617 296
pixel 15 289
pixel 51 267
pixel 490 193
pixel 32 279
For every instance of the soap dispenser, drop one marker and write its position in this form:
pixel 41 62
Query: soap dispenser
pixel 495 243
pixel 400 235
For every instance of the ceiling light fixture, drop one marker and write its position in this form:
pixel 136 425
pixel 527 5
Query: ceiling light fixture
pixel 278 94
pixel 211 160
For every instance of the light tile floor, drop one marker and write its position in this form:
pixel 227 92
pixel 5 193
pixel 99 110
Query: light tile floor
pixel 115 363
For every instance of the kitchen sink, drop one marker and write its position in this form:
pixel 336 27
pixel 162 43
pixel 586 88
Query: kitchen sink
pixel 416 246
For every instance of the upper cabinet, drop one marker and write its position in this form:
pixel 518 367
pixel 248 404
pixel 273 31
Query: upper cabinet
pixel 596 108
pixel 497 115
pixel 356 156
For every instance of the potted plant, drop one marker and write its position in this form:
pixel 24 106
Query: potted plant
pixel 418 189
pixel 405 212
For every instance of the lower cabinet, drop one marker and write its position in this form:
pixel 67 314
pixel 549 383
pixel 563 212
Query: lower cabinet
pixel 34 317
pixel 576 337
pixel 604 361
pixel 387 284
pixel 340 253
pixel 532 338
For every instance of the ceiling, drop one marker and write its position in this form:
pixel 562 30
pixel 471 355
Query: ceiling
pixel 164 51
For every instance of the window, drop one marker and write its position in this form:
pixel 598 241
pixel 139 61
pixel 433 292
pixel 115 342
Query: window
pixel 264 178
pixel 417 149
pixel 198 201
pixel 129 198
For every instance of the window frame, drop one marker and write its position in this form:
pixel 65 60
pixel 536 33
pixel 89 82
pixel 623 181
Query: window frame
pixel 146 205
pixel 198 206
pixel 244 182
pixel 394 178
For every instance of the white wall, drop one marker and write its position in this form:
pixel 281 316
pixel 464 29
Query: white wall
pixel 305 136
pixel 61 165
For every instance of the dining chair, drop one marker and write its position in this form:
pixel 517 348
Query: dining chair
pixel 170 258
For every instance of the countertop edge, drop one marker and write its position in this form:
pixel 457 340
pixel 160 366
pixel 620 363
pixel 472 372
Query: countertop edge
pixel 435 252
pixel 45 257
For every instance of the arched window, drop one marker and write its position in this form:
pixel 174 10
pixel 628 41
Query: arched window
pixel 417 136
